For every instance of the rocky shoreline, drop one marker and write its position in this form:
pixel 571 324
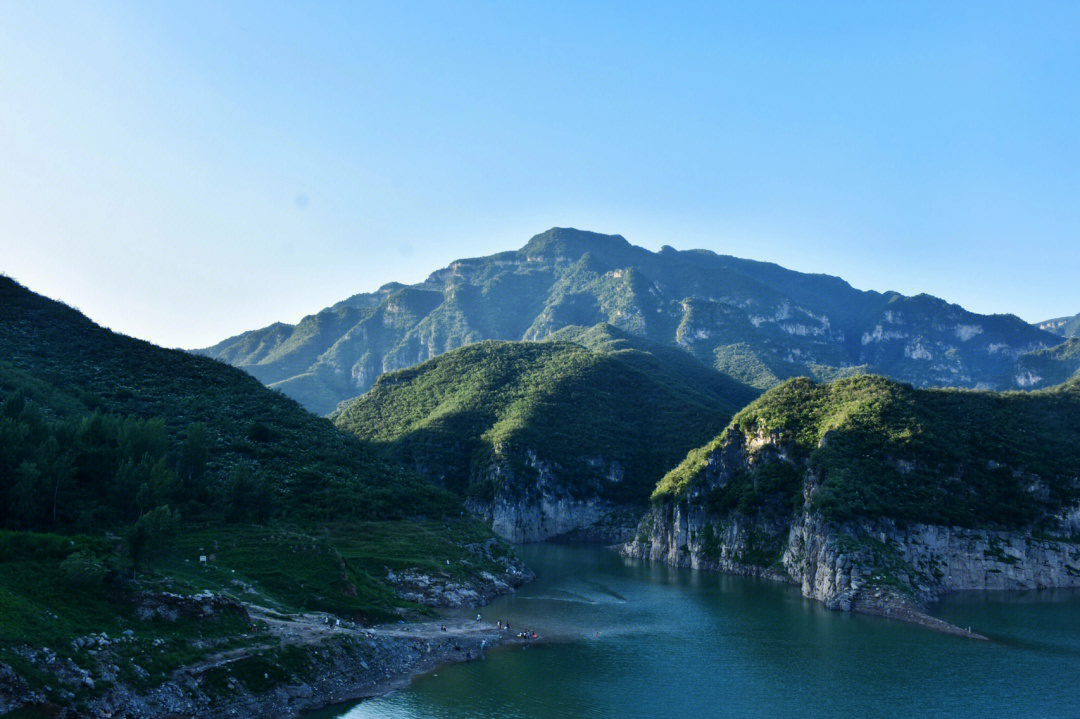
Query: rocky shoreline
pixel 335 664
pixel 875 568
pixel 293 664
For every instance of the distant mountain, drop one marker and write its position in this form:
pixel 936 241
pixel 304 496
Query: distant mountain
pixel 1050 366
pixel 757 321
pixel 548 437
pixel 1063 326
pixel 877 497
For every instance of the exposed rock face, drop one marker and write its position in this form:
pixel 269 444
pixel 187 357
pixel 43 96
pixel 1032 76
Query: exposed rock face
pixel 871 566
pixel 858 567
pixel 340 663
pixel 435 589
pixel 545 508
pixel 834 564
pixel 172 607
pixel 548 516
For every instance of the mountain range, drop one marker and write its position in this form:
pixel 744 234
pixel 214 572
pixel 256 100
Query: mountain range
pixel 697 409
pixel 755 321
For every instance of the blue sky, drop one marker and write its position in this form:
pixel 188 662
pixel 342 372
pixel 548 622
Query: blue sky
pixel 185 171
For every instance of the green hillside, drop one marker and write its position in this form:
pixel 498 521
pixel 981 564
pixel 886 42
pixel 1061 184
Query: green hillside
pixel 879 448
pixel 756 321
pixel 91 416
pixel 123 463
pixel 610 401
pixel 1053 365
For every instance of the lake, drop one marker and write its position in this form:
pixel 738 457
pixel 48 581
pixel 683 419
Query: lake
pixel 630 639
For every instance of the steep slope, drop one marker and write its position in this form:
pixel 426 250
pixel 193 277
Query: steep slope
pixel 87 379
pixel 878 497
pixel 1050 366
pixel 548 437
pixel 159 508
pixel 754 320
pixel 1063 326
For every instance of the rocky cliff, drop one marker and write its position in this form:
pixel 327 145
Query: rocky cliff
pixel 544 506
pixel 871 567
pixel 776 497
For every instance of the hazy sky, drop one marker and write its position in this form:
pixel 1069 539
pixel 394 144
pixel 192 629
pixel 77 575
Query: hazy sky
pixel 185 171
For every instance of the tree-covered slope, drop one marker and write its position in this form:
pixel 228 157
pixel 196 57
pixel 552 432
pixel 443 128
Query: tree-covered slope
pixel 98 427
pixel 122 464
pixel 869 447
pixel 607 422
pixel 754 320
pixel 1051 366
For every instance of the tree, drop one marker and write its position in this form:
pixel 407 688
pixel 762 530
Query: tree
pixel 194 452
pixel 247 496
pixel 153 536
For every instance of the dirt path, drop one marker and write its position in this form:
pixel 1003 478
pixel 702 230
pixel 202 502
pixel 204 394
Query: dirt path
pixel 314 628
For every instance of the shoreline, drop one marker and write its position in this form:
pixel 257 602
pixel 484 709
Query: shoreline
pixel 340 665
pixel 887 606
pixel 901 610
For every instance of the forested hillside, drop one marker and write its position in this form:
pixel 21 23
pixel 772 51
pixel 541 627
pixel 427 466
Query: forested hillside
pixel 99 427
pixel 602 417
pixel 171 502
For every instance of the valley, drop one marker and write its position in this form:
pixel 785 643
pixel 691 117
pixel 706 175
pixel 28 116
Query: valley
pixel 174 528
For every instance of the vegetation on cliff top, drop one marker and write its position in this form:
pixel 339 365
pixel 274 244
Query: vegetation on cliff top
pixel 1064 326
pixel 884 449
pixel 625 403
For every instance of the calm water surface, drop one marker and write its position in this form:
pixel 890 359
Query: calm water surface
pixel 643 640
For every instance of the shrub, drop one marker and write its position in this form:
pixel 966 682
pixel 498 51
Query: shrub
pixel 83 569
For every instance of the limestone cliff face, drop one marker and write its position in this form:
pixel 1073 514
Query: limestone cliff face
pixel 549 517
pixel 545 508
pixel 872 566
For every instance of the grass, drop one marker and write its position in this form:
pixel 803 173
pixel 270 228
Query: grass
pixel 337 568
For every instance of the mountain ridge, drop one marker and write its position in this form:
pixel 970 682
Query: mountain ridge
pixel 757 321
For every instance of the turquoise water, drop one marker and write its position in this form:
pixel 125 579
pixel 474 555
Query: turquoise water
pixel 634 640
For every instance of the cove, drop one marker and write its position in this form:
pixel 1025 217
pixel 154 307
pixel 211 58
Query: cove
pixel 626 638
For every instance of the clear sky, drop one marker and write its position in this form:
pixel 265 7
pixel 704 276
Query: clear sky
pixel 185 171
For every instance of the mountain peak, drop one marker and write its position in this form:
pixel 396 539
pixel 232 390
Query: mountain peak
pixel 573 243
